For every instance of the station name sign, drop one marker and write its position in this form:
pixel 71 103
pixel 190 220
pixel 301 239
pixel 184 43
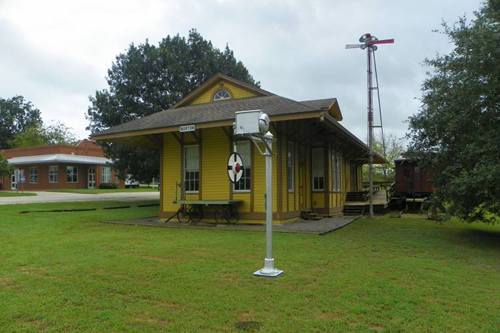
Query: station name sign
pixel 187 128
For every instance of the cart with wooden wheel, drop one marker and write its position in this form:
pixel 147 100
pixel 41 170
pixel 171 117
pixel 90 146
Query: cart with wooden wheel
pixel 193 211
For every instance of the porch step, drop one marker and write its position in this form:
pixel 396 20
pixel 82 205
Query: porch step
pixel 354 210
pixel 308 215
pixel 356 196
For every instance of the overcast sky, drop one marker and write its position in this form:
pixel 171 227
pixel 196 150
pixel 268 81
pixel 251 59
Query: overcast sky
pixel 56 53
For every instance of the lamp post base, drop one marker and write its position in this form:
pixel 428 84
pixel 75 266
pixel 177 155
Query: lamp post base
pixel 268 270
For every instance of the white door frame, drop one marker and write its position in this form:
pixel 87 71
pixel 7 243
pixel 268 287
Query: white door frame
pixel 13 181
pixel 91 177
pixel 15 178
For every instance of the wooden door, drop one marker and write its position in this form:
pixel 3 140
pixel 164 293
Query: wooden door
pixel 354 177
pixel 302 158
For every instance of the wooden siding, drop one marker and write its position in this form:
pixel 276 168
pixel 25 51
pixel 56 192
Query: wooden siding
pixel 171 168
pixel 214 149
pixel 215 145
pixel 236 92
pixel 214 156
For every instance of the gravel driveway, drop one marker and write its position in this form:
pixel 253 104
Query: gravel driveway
pixel 43 197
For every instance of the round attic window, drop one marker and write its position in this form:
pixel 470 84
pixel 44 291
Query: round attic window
pixel 221 95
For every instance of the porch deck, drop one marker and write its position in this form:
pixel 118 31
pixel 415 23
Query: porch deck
pixel 360 207
pixel 321 227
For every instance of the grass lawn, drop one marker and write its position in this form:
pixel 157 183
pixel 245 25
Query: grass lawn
pixel 99 191
pixel 16 194
pixel 68 272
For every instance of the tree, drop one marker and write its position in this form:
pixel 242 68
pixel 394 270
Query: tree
pixel 456 131
pixel 16 116
pixel 5 168
pixel 44 135
pixel 58 133
pixel 148 79
pixel 394 148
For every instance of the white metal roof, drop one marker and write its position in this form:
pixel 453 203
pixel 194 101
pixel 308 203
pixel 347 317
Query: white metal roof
pixel 58 158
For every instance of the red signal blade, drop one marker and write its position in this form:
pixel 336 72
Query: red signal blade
pixel 382 41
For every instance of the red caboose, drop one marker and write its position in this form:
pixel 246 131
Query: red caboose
pixel 412 181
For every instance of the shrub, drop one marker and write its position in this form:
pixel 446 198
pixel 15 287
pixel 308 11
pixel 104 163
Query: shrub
pixel 108 186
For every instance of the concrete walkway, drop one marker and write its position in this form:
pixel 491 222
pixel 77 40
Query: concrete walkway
pixel 43 197
pixel 320 227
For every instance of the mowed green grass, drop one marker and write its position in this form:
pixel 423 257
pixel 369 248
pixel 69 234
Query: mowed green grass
pixel 69 272
pixel 99 190
pixel 16 194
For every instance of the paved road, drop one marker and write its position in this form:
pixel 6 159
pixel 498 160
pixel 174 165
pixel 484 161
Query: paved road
pixel 42 197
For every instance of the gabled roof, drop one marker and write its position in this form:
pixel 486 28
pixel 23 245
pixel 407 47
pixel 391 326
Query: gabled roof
pixel 214 79
pixel 273 105
pixel 221 113
pixel 329 104
pixel 324 103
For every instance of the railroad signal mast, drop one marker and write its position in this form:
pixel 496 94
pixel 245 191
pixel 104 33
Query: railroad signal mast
pixel 370 42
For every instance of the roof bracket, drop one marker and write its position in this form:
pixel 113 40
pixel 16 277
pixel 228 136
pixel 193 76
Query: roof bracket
pixel 177 138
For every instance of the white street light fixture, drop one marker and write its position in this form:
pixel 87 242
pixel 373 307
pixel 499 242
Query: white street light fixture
pixel 254 124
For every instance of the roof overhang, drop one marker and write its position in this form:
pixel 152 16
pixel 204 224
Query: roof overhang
pixel 58 158
pixel 224 123
pixel 325 117
pixel 333 124
pixel 334 109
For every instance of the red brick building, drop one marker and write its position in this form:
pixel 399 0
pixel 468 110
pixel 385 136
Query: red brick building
pixel 58 167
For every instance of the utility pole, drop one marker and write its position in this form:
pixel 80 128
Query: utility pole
pixel 368 42
pixel 369 51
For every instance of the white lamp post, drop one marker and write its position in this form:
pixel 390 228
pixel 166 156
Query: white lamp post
pixel 255 125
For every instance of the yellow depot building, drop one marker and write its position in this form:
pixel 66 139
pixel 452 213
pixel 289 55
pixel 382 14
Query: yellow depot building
pixel 316 161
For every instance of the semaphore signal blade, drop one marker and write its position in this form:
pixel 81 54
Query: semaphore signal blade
pixel 354 46
pixel 382 41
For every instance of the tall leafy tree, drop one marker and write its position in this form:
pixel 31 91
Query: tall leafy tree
pixel 457 130
pixel 16 116
pixel 5 168
pixel 394 148
pixel 44 135
pixel 150 78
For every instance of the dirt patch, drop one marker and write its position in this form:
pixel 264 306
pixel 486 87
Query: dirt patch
pixel 169 305
pixel 231 278
pixel 329 316
pixel 7 283
pixel 38 324
pixel 39 272
pixel 377 328
pixel 35 271
pixel 246 316
pixel 149 319
pixel 248 326
pixel 169 260
pixel 154 302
